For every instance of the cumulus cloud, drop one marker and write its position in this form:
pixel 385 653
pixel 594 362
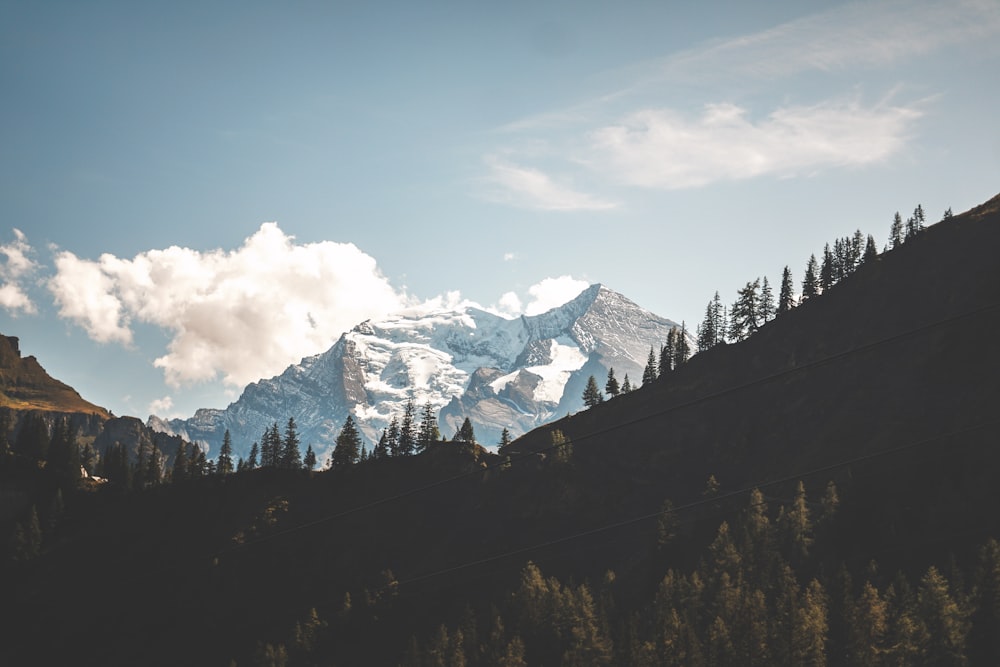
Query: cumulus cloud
pixel 161 406
pixel 15 267
pixel 509 305
pixel 660 148
pixel 242 314
pixel 526 187
pixel 552 292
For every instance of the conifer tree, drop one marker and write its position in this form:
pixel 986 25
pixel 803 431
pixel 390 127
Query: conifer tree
pixel 591 394
pixel 392 437
pixel 766 310
pixel 745 318
pixel 797 527
pixel 428 433
pixel 252 459
pixel 562 448
pixel 871 250
pixel 944 640
pixel 667 352
pixel 225 462
pixel 948 215
pixel 465 433
pixel 381 450
pixel 896 232
pixel 611 386
pixel 309 460
pixel 407 431
pixel 348 447
pixel 505 438
pixel 786 293
pixel 291 458
pixel 682 350
pixel 811 283
pixel 180 470
pixel 915 224
pixel 154 470
pixel 826 269
pixel 650 373
pixel 626 385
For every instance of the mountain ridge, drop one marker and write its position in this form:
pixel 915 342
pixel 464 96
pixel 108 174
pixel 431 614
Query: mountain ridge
pixel 468 362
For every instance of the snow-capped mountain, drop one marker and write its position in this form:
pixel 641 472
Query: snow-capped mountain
pixel 500 373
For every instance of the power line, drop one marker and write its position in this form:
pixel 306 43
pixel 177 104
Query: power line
pixel 617 426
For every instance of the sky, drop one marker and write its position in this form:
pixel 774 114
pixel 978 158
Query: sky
pixel 195 195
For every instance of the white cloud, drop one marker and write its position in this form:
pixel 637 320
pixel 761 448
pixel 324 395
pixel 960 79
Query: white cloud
pixel 860 34
pixel 509 257
pixel 244 314
pixel 525 187
pixel 553 292
pixel 660 148
pixel 509 305
pixel 86 294
pixel 14 268
pixel 162 407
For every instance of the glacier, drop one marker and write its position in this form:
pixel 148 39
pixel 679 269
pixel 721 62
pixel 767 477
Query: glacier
pixel 466 362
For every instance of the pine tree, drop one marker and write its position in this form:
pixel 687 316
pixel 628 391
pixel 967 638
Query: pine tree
pixel 668 351
pixel 505 438
pixel 407 431
pixel 896 232
pixel 811 284
pixel 944 642
pixel 309 461
pixel 948 215
pixel 871 250
pixel 708 335
pixel 626 385
pixel 611 386
pixel 591 394
pixel 252 460
pixel 291 457
pixel 225 463
pixel 428 433
pixel 381 450
pixel 154 469
pixel 392 437
pixel 180 470
pixel 650 373
pixel 682 350
pixel 826 269
pixel 765 312
pixel 744 320
pixel 915 224
pixel 786 293
pixel 562 448
pixel 465 433
pixel 348 447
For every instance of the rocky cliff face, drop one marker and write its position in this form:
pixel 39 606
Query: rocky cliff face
pixel 500 373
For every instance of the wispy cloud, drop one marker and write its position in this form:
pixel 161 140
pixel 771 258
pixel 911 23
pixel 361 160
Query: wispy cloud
pixel 637 135
pixel 242 314
pixel 860 34
pixel 15 267
pixel 660 148
pixel 526 187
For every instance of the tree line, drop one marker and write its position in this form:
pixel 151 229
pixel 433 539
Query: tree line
pixel 756 304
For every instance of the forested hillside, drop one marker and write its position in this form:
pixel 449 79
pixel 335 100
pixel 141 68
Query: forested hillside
pixel 821 491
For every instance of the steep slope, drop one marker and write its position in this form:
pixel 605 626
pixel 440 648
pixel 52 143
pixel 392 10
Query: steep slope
pixel 467 363
pixel 905 394
pixel 24 385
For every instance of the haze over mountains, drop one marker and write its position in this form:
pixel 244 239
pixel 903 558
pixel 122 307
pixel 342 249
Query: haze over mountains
pixel 466 362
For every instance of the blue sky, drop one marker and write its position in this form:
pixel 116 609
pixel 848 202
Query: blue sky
pixel 192 197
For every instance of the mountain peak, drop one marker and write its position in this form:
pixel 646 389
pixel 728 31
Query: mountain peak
pixel 465 362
